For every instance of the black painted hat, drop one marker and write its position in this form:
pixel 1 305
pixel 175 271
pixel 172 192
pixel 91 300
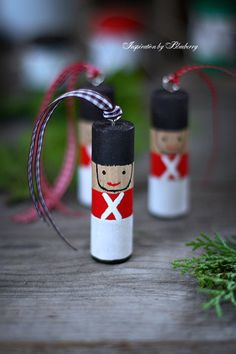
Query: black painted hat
pixel 87 110
pixel 113 144
pixel 169 110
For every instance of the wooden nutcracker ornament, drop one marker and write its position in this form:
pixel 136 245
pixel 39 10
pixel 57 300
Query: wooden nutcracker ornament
pixel 88 113
pixel 112 168
pixel 168 186
pixel 112 191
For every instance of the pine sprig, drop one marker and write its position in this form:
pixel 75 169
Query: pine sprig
pixel 214 269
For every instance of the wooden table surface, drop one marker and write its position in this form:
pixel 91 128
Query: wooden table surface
pixel 55 300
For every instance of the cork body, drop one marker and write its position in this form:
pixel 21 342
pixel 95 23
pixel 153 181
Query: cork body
pixel 168 182
pixel 112 192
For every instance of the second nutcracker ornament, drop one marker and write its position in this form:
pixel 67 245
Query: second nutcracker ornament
pixel 168 187
pixel 112 191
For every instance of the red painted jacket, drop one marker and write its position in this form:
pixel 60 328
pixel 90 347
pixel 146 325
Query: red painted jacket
pixel 85 155
pixel 112 206
pixel 171 167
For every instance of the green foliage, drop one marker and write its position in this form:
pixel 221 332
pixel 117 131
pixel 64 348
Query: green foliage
pixel 24 105
pixel 214 269
pixel 13 157
pixel 130 93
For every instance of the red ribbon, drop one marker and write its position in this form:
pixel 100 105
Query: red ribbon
pixel 54 193
pixel 174 79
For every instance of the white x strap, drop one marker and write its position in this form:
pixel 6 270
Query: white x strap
pixel 171 166
pixel 112 206
pixel 89 150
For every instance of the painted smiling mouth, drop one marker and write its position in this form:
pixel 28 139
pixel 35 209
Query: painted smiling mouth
pixel 113 184
pixel 172 148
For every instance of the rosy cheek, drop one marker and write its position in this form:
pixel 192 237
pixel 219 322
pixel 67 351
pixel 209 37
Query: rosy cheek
pixel 103 178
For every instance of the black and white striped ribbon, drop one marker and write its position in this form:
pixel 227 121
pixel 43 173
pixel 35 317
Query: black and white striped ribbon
pixel 102 102
pixel 110 112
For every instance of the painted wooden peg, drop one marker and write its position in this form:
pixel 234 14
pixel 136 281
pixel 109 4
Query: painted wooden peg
pixel 88 113
pixel 112 191
pixel 168 187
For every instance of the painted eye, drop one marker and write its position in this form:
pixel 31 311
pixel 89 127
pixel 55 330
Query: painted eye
pixel 164 138
pixel 103 172
pixel 123 172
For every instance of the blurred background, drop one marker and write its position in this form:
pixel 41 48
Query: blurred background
pixel 38 38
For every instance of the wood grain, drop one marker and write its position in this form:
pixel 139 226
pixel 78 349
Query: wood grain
pixel 54 300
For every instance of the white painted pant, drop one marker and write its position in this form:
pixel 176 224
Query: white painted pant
pixel 84 185
pixel 111 239
pixel 168 198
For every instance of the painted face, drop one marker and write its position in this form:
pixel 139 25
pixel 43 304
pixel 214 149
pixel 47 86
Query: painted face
pixel 85 132
pixel 114 178
pixel 169 142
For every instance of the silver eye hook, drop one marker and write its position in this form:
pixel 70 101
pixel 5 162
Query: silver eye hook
pixel 168 85
pixel 97 80
pixel 114 120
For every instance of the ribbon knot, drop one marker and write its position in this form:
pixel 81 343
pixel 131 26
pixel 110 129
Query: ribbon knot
pixel 113 113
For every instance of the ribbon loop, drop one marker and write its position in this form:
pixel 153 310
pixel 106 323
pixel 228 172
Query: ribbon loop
pixel 114 114
pixel 34 163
